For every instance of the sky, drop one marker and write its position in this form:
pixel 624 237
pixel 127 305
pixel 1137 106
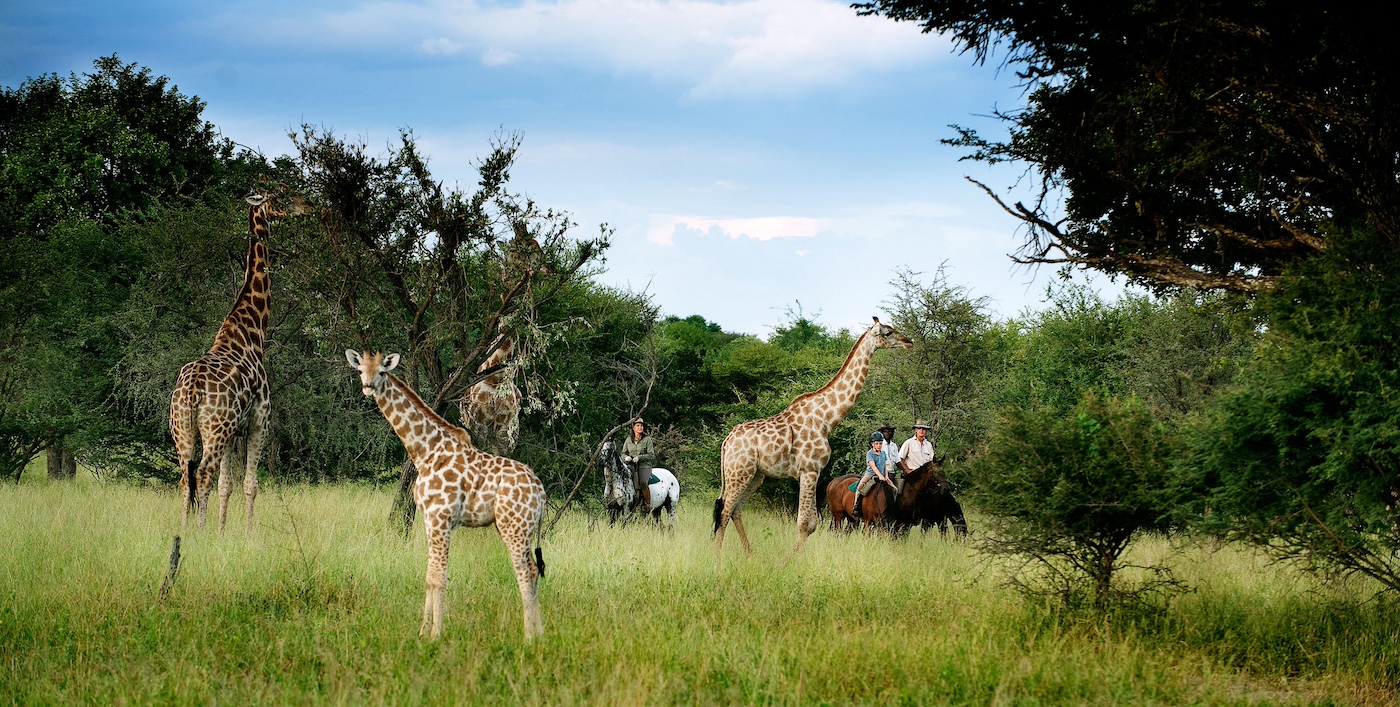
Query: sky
pixel 754 158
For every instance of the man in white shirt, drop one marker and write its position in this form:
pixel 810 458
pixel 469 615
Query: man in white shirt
pixel 916 451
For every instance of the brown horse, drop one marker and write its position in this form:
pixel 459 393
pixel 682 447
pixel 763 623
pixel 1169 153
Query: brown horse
pixel 842 501
pixel 927 501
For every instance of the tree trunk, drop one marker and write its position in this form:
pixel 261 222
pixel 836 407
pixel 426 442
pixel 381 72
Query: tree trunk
pixel 61 464
pixel 403 508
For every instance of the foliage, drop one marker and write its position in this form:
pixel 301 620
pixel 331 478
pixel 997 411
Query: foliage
pixel 83 160
pixel 1068 492
pixel 1172 353
pixel 957 357
pixel 1302 455
pixel 1189 144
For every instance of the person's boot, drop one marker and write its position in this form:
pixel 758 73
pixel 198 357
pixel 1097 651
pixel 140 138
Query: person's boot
pixel 856 511
pixel 646 499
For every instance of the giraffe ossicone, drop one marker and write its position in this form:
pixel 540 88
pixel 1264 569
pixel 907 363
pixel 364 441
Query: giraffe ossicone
pixel 457 485
pixel 225 393
pixel 793 444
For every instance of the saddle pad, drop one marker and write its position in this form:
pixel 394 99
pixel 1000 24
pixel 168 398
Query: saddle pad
pixel 852 487
pixel 653 480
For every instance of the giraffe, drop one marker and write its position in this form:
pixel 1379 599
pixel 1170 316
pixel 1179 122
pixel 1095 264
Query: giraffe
pixel 458 485
pixel 225 392
pixel 793 444
pixel 491 409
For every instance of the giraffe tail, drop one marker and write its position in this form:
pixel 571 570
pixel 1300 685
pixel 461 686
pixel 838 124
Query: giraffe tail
pixel 539 561
pixel 719 510
pixel 193 467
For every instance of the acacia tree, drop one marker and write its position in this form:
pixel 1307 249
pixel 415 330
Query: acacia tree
pixel 1068 491
pixel 1188 144
pixel 439 275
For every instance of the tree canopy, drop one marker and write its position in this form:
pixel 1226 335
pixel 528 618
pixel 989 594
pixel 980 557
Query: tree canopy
pixel 1200 144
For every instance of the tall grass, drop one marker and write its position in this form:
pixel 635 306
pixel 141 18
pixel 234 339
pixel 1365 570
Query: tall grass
pixel 322 604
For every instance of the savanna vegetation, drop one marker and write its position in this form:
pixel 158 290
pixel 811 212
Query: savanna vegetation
pixel 1186 494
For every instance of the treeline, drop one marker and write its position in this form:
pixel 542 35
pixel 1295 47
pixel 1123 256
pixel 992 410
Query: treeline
pixel 1265 412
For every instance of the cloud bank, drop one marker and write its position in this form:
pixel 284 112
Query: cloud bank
pixel 716 49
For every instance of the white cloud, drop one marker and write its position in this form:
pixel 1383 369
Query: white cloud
pixel 498 57
pixel 663 229
pixel 441 46
pixel 717 48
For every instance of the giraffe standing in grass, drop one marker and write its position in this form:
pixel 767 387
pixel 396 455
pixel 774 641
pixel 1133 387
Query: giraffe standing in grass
pixel 224 393
pixel 459 485
pixel 793 443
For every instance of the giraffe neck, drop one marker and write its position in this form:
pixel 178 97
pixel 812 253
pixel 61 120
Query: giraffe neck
pixel 829 405
pixel 418 427
pixel 246 325
pixel 499 357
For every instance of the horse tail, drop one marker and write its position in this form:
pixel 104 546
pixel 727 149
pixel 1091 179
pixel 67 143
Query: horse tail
pixel 719 510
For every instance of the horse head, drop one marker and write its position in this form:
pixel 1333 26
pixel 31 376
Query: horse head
pixel 617 478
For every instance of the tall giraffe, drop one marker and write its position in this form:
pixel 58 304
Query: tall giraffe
pixel 459 485
pixel 793 443
pixel 491 408
pixel 225 391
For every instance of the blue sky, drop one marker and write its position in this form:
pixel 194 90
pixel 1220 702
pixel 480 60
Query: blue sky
pixel 751 155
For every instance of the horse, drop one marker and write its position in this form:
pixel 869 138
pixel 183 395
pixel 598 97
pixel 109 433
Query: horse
pixel 620 494
pixel 927 501
pixel 842 501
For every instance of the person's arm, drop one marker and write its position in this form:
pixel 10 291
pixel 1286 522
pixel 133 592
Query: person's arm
pixel 646 452
pixel 904 454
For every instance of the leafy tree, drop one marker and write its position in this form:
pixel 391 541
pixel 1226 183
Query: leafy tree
pixel 439 275
pixel 1068 491
pixel 957 354
pixel 82 158
pixel 1303 454
pixel 1208 145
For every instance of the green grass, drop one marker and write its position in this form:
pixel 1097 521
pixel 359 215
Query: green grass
pixel 322 605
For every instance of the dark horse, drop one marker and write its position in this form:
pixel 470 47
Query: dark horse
pixel 928 501
pixel 842 500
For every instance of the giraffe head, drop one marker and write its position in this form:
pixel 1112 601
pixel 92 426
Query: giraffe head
pixel 374 369
pixel 887 338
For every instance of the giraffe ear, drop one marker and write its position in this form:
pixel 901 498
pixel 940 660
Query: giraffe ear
pixel 390 362
pixel 352 357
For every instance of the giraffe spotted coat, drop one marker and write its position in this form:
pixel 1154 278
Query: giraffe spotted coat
pixel 793 444
pixel 459 485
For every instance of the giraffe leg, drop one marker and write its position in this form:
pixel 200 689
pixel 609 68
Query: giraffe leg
pixel 257 438
pixel 225 484
pixel 439 534
pixel 517 540
pixel 184 431
pixel 806 507
pixel 737 514
pixel 216 442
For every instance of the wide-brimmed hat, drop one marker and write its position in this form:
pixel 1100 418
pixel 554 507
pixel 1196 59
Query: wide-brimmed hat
pixel 886 426
pixel 922 424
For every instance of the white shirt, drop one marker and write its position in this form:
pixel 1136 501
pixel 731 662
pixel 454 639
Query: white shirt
pixel 892 455
pixel 915 454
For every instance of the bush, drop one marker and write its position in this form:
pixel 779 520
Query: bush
pixel 1069 491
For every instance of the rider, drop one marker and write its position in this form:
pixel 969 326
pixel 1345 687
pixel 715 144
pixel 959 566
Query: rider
pixel 640 451
pixel 874 470
pixel 917 450
pixel 893 456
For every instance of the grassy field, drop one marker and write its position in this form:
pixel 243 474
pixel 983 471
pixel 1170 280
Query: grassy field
pixel 321 604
